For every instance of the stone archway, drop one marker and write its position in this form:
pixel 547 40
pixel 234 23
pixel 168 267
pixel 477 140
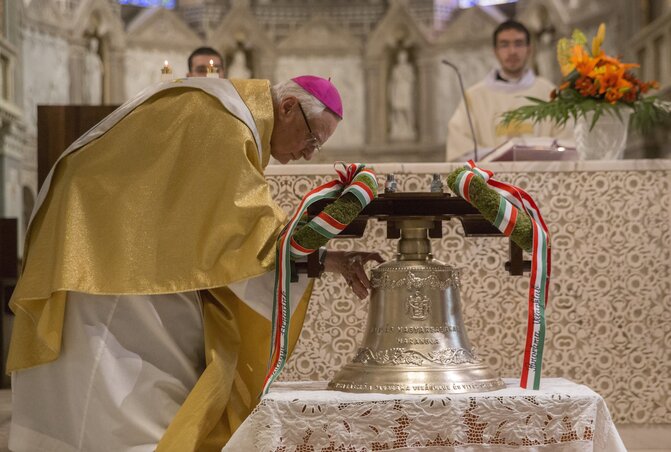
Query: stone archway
pixel 240 31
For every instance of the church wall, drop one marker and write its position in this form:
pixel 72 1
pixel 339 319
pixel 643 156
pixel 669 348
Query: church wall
pixel 45 82
pixel 45 73
pixel 365 131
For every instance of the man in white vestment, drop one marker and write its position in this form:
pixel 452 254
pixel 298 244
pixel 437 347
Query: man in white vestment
pixel 504 88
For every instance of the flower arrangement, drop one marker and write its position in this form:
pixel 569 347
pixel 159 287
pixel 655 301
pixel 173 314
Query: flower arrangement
pixel 594 82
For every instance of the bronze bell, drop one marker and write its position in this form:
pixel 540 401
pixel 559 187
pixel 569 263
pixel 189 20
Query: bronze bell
pixel 415 341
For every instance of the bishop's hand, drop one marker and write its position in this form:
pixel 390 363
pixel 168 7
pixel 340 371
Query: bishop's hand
pixel 351 265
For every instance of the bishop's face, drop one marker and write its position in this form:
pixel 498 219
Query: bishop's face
pixel 295 136
pixel 512 51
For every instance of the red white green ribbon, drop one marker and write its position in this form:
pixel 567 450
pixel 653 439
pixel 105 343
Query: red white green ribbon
pixel 349 181
pixel 514 199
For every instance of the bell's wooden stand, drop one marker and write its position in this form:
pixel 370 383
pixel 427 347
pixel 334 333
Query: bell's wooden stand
pixel 439 207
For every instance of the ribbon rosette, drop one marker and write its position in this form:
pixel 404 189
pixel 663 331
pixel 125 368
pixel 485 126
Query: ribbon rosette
pixel 351 179
pixel 514 201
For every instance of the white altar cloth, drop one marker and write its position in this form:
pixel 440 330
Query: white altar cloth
pixel 305 416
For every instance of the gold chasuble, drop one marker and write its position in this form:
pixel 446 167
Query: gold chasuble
pixel 171 198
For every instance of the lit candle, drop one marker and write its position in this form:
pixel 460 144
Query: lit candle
pixel 166 72
pixel 212 71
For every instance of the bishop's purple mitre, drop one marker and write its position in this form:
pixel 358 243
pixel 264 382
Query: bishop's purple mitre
pixel 323 90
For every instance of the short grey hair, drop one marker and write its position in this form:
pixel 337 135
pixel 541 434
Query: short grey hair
pixel 311 105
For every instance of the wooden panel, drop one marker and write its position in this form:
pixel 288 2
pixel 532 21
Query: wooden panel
pixel 60 125
pixel 8 248
pixel 9 263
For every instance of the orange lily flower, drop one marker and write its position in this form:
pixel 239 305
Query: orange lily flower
pixel 616 62
pixel 611 81
pixel 583 63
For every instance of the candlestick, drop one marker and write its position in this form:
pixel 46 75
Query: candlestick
pixel 212 71
pixel 166 72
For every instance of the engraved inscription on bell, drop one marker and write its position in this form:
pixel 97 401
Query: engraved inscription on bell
pixel 415 341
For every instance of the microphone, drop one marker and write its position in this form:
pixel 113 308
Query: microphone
pixel 468 113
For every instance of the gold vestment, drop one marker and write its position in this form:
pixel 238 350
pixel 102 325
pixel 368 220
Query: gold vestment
pixel 171 199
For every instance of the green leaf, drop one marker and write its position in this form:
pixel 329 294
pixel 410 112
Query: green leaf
pixel 647 112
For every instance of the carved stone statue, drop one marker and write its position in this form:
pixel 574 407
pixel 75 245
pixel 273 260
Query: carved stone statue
pixel 238 68
pixel 402 100
pixel 92 92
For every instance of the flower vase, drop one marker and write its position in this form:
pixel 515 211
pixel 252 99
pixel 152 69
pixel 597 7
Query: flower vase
pixel 606 140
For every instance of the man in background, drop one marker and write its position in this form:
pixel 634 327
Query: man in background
pixel 504 88
pixel 199 61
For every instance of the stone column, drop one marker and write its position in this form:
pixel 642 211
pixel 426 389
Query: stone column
pixel 425 100
pixel 265 64
pixel 376 101
pixel 115 72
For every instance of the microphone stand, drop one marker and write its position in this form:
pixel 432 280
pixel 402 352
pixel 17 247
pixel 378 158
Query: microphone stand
pixel 468 113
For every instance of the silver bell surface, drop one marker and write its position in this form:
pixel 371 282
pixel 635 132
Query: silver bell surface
pixel 415 341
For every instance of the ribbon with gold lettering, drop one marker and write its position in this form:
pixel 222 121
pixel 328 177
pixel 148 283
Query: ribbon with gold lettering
pixel 349 181
pixel 514 200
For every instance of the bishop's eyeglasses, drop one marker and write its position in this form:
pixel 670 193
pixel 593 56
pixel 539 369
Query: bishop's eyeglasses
pixel 313 142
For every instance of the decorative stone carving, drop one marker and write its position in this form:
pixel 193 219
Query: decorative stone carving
pixel 148 48
pixel 41 50
pixel 47 14
pixel 471 27
pixel 239 27
pixel 321 35
pixel 92 91
pixel 354 37
pixel 162 29
pixel 397 29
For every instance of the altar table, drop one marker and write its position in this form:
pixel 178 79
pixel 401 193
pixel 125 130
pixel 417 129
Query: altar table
pixel 305 416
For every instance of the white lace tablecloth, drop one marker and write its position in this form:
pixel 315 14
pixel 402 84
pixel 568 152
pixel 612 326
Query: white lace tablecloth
pixel 306 417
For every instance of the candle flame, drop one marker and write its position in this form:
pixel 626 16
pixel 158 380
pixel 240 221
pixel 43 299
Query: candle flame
pixel 211 62
pixel 165 63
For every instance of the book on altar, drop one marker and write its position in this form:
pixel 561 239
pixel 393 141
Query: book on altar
pixel 532 148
